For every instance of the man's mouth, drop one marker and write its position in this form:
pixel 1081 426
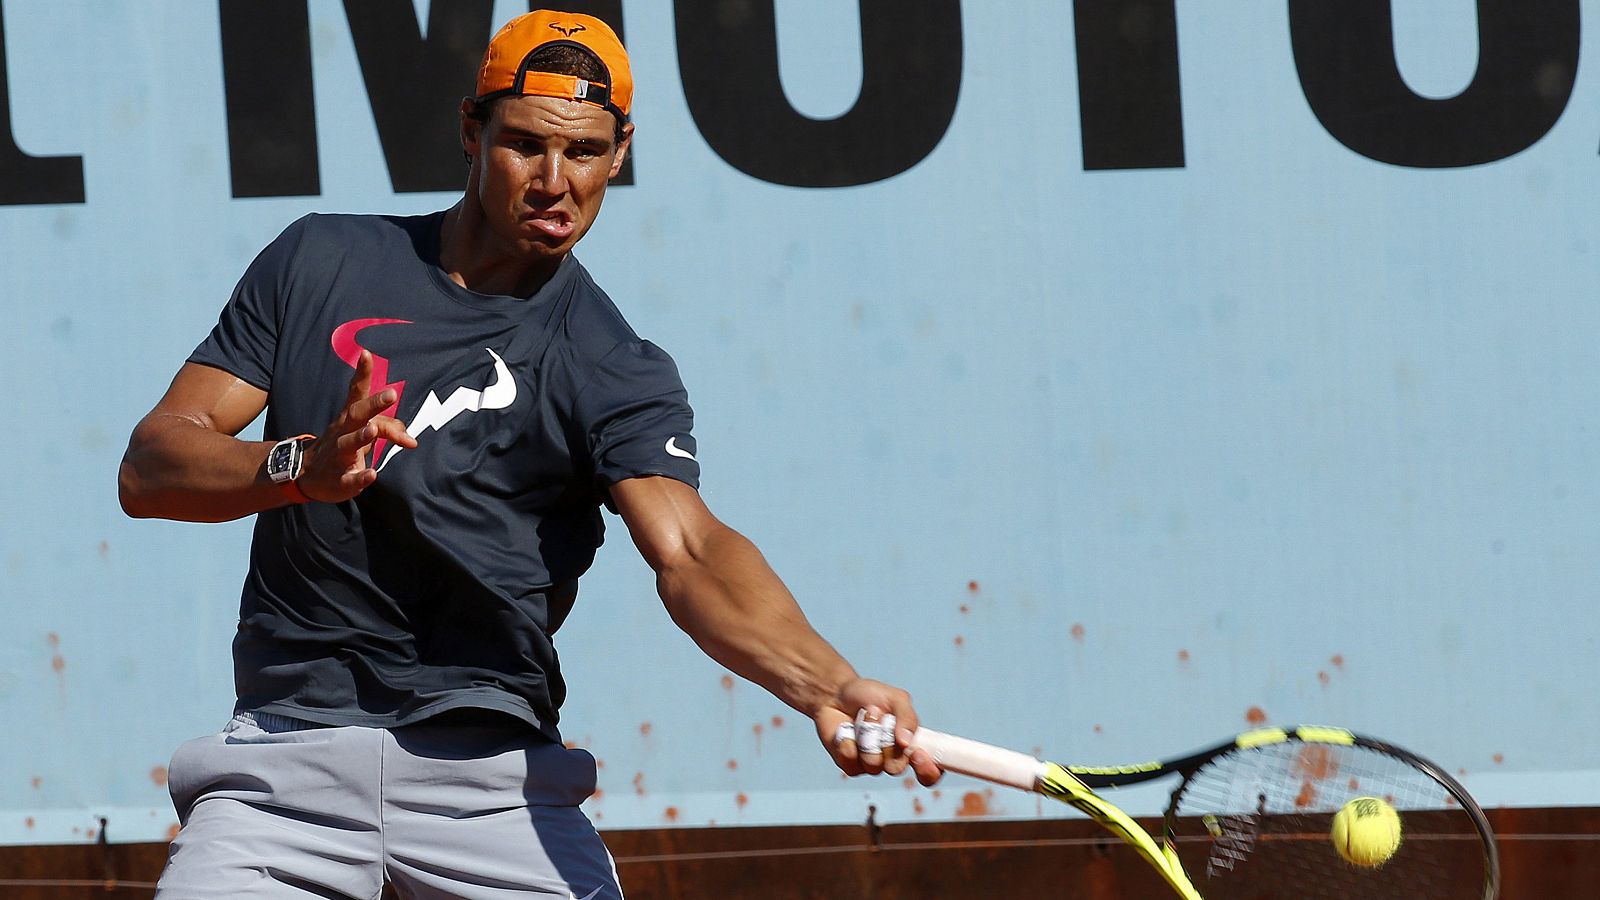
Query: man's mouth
pixel 553 223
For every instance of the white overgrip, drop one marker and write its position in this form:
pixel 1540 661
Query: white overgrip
pixel 980 760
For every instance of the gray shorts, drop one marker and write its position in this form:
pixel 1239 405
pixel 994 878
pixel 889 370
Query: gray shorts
pixel 278 808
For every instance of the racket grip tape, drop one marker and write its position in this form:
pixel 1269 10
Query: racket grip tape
pixel 980 760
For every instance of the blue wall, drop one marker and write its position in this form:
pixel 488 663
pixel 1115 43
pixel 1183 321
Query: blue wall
pixel 1094 462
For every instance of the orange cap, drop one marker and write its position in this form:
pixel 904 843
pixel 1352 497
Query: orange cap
pixel 504 72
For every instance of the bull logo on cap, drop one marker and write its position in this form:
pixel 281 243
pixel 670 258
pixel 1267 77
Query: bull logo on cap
pixel 566 30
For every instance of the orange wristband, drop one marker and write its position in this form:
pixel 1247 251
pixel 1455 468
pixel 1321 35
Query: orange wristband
pixel 292 491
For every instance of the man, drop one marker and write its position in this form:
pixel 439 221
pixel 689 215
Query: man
pixel 450 400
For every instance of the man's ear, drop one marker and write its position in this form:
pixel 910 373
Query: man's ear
pixel 471 128
pixel 622 150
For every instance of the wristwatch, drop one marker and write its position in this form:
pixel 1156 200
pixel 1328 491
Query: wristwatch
pixel 284 462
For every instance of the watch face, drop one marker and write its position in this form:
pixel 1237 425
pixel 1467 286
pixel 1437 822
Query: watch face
pixel 281 461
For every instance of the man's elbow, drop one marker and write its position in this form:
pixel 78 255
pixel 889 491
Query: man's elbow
pixel 132 493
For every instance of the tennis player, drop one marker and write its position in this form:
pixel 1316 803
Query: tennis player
pixel 450 400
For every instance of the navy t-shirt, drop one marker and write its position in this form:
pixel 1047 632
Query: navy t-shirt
pixel 442 584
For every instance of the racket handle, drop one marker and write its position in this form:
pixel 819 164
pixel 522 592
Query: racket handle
pixel 980 760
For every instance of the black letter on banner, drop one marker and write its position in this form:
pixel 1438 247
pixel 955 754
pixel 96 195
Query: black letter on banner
pixel 1130 101
pixel 415 85
pixel 609 12
pixel 911 75
pixel 272 121
pixel 1527 61
pixel 28 179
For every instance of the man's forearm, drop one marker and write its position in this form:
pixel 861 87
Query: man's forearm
pixel 177 468
pixel 730 602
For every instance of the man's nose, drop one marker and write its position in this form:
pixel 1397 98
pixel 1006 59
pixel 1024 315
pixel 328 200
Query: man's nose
pixel 551 177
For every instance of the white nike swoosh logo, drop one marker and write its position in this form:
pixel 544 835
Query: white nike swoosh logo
pixel 588 896
pixel 437 415
pixel 674 450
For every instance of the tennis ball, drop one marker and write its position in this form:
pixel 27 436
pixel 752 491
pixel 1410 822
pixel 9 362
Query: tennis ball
pixel 1366 831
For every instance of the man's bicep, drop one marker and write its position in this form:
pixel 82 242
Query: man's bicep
pixel 666 518
pixel 211 397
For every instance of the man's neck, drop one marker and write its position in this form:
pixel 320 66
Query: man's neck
pixel 476 258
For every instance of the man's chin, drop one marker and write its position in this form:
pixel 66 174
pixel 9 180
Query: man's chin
pixel 534 243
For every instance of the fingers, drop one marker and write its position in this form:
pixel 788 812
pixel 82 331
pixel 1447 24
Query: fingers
pixel 875 741
pixel 361 381
pixel 358 481
pixel 337 467
pixel 849 743
pixel 879 739
pixel 366 409
pixel 839 736
pixel 927 771
pixel 881 703
pixel 866 746
pixel 356 442
pixel 394 431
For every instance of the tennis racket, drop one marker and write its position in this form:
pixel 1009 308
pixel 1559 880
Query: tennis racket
pixel 1252 817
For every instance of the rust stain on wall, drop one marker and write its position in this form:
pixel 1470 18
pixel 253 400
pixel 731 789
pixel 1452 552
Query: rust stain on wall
pixel 1255 715
pixel 1307 796
pixel 1316 762
pixel 975 804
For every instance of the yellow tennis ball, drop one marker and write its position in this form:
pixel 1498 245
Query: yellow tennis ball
pixel 1366 831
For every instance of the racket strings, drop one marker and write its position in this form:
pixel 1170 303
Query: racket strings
pixel 1257 824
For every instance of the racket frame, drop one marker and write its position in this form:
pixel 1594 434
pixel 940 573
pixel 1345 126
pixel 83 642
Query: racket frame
pixel 1076 785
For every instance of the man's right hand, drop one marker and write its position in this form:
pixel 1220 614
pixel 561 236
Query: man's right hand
pixel 336 465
